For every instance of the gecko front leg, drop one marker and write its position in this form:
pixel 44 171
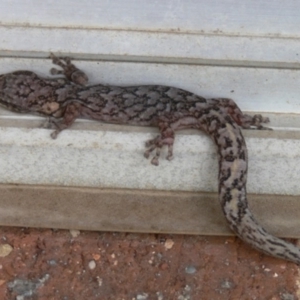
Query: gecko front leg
pixel 71 113
pixel 166 138
pixel 69 70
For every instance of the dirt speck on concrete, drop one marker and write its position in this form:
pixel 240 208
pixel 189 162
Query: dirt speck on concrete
pixel 68 265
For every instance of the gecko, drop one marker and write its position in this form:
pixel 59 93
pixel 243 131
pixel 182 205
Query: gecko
pixel 169 109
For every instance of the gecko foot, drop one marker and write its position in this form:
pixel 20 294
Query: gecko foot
pixel 49 123
pixel 157 144
pixel 254 122
pixel 258 119
pixel 68 69
pixel 54 134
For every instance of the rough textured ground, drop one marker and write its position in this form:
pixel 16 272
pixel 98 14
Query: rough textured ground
pixel 68 265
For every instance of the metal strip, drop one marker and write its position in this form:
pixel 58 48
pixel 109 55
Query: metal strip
pixel 138 210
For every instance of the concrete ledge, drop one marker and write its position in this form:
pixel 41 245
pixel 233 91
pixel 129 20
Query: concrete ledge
pixel 137 210
pixel 111 156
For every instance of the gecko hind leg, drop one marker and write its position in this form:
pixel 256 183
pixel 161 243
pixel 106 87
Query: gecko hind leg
pixel 69 70
pixel 243 120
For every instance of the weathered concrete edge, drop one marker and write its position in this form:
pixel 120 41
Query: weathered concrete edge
pixel 137 210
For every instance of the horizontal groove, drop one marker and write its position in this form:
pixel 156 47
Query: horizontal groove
pixel 156 60
pixel 282 125
pixel 171 31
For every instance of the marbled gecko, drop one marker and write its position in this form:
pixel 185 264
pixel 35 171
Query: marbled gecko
pixel 168 108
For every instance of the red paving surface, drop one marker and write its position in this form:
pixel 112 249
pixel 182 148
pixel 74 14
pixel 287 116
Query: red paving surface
pixel 59 264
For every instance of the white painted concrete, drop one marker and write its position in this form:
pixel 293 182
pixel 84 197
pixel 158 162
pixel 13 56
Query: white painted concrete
pixel 227 17
pixel 261 51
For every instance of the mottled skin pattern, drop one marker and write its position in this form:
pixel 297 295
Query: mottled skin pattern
pixel 168 108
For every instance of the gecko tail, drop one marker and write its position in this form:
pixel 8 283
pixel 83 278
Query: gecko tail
pixel 252 233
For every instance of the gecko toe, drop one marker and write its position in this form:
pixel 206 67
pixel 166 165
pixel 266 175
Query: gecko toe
pixel 170 157
pixel 54 135
pixel 147 154
pixel 155 161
